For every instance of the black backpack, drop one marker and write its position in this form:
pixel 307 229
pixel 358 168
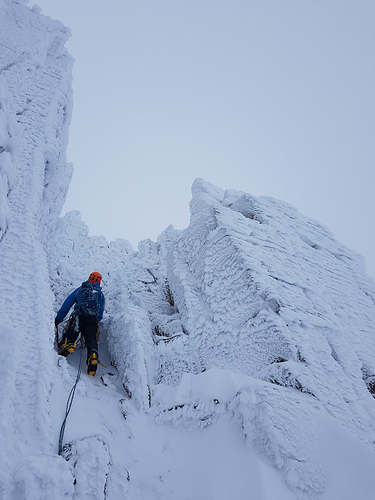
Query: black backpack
pixel 89 299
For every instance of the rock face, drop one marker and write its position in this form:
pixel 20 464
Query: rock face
pixel 35 109
pixel 253 319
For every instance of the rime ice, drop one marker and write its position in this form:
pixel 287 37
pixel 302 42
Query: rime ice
pixel 239 352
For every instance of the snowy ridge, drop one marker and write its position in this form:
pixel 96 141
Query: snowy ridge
pixel 239 352
pixel 266 292
pixel 189 343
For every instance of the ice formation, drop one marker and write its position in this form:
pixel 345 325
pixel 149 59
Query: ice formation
pixel 239 352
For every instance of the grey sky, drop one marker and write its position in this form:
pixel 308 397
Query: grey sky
pixel 271 97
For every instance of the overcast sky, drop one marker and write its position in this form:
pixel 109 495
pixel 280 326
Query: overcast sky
pixel 270 97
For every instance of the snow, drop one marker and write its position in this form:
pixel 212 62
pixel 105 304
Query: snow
pixel 238 353
pixel 9 145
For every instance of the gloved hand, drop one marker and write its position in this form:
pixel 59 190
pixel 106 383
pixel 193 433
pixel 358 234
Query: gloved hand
pixel 57 323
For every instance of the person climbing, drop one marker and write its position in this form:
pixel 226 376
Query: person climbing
pixel 88 301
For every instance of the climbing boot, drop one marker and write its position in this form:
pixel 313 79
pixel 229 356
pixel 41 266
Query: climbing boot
pixel 92 364
pixel 66 348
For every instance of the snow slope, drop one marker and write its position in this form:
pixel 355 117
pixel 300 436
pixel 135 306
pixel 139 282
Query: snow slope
pixel 239 353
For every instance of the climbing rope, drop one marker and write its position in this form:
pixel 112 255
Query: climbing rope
pixel 70 399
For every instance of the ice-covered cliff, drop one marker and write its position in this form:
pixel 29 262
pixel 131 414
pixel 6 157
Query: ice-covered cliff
pixel 35 109
pixel 239 352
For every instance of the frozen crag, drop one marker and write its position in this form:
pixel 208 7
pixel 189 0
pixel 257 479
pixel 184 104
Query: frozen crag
pixel 254 317
pixel 239 353
pixel 35 109
pixel 265 292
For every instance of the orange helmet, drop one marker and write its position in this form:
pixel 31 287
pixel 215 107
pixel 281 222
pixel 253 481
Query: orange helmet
pixel 95 278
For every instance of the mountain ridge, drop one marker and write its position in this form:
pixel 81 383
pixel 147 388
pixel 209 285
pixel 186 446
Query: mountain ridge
pixel 239 351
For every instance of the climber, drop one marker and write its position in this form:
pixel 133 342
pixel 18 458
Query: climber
pixel 88 301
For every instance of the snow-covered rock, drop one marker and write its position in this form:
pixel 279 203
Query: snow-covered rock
pixel 36 103
pixel 239 353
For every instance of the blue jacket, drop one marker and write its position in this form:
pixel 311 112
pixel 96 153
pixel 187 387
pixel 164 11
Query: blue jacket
pixel 71 300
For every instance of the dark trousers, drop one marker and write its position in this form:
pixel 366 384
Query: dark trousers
pixel 88 326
